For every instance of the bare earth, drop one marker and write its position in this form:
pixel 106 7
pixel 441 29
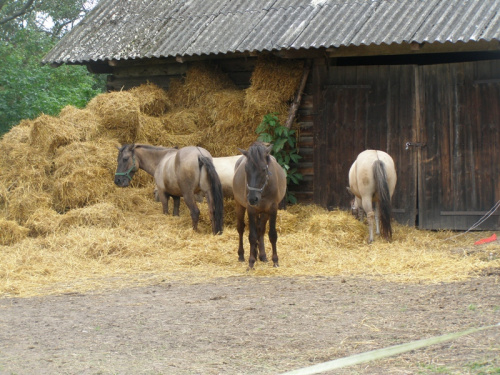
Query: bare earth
pixel 252 325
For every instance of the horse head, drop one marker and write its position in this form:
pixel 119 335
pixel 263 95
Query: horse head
pixel 257 171
pixel 127 165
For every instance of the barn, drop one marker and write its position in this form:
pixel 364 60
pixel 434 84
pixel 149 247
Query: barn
pixel 419 79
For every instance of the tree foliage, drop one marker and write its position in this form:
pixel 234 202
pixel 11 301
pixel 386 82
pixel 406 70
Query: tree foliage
pixel 28 30
pixel 53 17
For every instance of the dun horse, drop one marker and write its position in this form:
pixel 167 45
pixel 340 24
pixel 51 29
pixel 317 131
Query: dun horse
pixel 259 185
pixel 223 165
pixel 178 173
pixel 372 179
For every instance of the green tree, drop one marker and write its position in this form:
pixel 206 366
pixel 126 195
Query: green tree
pixel 53 17
pixel 28 30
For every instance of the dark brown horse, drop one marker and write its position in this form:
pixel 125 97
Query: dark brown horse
pixel 259 185
pixel 178 173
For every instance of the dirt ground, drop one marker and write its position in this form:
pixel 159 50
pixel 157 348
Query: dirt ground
pixel 252 325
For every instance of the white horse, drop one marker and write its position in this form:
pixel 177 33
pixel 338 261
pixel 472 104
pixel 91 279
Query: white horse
pixel 372 179
pixel 225 169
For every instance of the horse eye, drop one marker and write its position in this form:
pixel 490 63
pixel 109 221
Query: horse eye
pixel 125 159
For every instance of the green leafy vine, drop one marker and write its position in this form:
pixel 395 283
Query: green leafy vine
pixel 285 151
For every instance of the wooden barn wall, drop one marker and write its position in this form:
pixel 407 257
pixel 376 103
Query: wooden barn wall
pixel 359 108
pixel 305 130
pixel 459 171
pixel 447 114
pixel 126 74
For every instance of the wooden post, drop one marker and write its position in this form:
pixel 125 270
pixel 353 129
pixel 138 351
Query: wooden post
pixel 296 102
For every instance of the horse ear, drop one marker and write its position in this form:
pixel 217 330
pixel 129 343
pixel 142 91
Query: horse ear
pixel 242 151
pixel 269 149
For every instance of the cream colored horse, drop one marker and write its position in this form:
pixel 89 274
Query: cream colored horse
pixel 372 179
pixel 225 169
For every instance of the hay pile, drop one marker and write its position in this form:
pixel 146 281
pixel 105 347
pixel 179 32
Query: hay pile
pixel 65 226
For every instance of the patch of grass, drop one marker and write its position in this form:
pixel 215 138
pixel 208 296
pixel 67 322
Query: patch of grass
pixel 472 307
pixel 483 368
pixel 434 369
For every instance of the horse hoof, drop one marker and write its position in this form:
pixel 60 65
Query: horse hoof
pixel 263 259
pixel 275 265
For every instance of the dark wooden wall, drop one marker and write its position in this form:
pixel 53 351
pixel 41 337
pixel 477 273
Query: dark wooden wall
pixel 460 164
pixel 128 74
pixel 359 108
pixel 448 114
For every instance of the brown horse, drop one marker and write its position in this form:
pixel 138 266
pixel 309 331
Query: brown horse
pixel 372 178
pixel 259 185
pixel 148 161
pixel 133 157
pixel 178 173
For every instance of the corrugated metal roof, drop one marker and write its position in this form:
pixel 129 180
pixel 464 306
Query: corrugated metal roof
pixel 130 29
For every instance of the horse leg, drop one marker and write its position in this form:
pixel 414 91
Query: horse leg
pixel 253 237
pixel 240 218
pixel 360 209
pixel 263 218
pixel 193 209
pixel 368 208
pixel 377 217
pixel 177 202
pixel 208 195
pixel 163 197
pixel 273 236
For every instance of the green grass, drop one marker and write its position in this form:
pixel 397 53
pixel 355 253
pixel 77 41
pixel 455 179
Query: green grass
pixel 483 368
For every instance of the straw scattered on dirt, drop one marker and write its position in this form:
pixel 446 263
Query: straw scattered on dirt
pixel 66 227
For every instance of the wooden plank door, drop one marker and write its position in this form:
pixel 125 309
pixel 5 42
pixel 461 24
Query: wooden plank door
pixel 459 172
pixel 359 108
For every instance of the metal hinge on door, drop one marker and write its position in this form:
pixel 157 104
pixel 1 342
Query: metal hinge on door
pixel 414 144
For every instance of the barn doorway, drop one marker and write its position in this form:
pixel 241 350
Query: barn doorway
pixel 440 123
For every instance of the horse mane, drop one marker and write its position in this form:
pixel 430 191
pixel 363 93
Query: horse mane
pixel 257 151
pixel 151 147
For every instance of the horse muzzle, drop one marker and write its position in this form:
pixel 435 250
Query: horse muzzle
pixel 122 181
pixel 253 198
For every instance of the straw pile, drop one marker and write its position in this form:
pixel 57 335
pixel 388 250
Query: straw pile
pixel 153 101
pixel 65 226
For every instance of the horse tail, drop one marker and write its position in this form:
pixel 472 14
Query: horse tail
pixel 214 197
pixel 384 196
